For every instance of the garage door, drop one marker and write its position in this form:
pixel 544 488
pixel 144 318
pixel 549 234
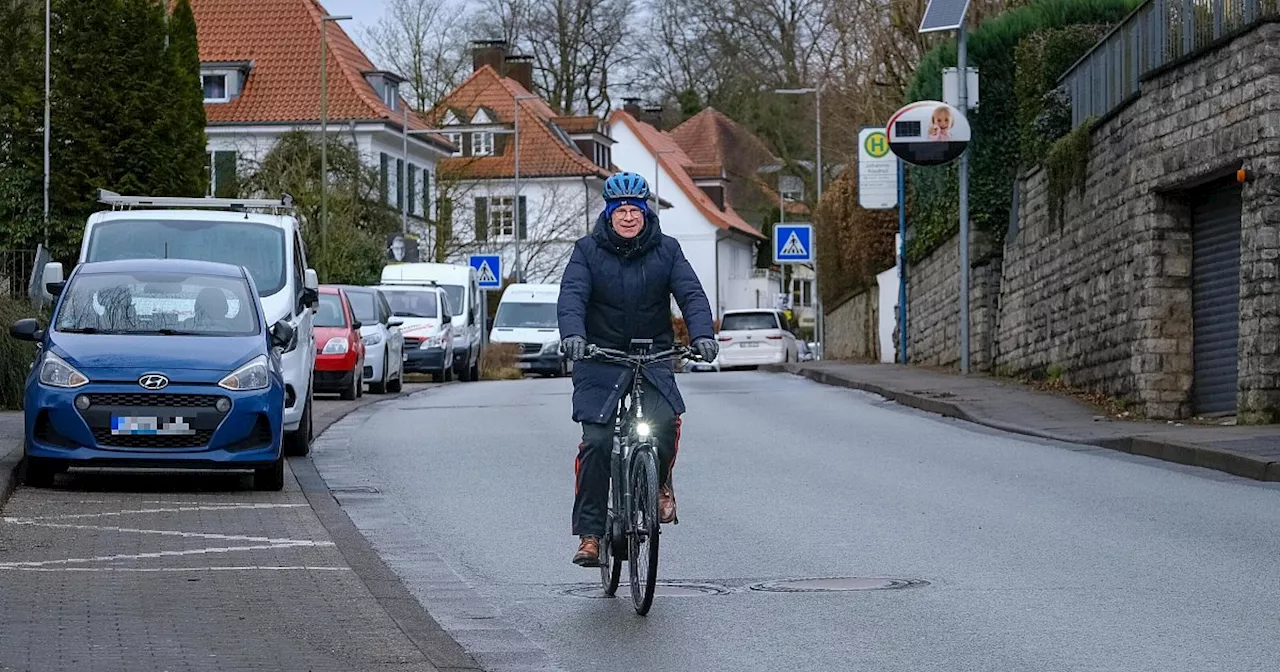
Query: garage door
pixel 1215 268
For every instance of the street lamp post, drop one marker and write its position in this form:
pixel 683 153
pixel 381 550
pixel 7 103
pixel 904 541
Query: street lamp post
pixel 517 270
pixel 324 136
pixel 817 91
pixel 47 50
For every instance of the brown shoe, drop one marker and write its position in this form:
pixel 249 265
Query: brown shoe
pixel 588 554
pixel 667 504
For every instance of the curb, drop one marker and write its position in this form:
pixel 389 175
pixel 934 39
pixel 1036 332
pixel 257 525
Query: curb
pixel 1166 450
pixel 9 465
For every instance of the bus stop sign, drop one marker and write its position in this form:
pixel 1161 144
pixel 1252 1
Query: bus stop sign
pixel 928 133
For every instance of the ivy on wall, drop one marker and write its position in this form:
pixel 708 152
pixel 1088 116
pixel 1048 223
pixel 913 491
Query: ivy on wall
pixel 1008 111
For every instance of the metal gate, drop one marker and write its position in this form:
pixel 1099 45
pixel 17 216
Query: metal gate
pixel 1215 298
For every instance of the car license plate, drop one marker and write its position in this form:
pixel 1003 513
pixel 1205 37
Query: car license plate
pixel 524 365
pixel 123 425
pixel 749 344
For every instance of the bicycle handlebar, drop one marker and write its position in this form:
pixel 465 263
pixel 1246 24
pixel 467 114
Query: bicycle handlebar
pixel 679 351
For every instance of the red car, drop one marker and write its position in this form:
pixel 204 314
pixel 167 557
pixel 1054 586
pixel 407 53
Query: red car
pixel 339 348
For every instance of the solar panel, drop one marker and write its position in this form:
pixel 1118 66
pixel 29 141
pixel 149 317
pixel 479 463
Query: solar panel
pixel 943 15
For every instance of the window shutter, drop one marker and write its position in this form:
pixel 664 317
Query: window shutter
pixel 413 189
pixel 382 179
pixel 482 219
pixel 524 220
pixel 224 175
pixel 426 193
pixel 400 185
pixel 466 144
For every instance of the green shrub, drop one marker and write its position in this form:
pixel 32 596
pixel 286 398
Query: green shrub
pixel 995 152
pixel 1044 110
pixel 15 356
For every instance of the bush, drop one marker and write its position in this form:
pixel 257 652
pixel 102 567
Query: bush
pixel 15 356
pixel 498 362
pixel 995 152
pixel 854 244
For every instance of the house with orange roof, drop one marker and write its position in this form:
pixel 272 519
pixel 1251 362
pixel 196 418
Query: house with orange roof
pixel 563 161
pixel 719 243
pixel 260 68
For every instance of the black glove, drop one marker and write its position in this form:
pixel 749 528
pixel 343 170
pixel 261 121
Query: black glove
pixel 574 347
pixel 706 348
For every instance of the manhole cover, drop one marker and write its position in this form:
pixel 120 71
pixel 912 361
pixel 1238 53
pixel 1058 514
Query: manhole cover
pixel 669 589
pixel 834 585
pixel 356 488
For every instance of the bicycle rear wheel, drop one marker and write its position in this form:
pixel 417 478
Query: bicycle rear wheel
pixel 642 540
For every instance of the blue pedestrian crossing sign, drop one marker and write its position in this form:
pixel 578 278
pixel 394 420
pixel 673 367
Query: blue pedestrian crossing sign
pixel 792 243
pixel 488 270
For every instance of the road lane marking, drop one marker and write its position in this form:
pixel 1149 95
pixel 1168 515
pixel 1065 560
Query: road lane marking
pixel 158 554
pixel 216 568
pixel 169 533
pixel 180 509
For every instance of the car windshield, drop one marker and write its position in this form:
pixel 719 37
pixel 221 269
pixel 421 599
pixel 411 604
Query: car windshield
pixel 362 305
pixel 748 321
pixel 329 313
pixel 412 303
pixel 258 247
pixel 526 315
pixel 454 292
pixel 164 303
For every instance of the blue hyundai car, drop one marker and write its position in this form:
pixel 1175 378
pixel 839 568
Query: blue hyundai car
pixel 156 363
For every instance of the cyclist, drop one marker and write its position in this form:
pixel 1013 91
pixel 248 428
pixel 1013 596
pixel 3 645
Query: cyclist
pixel 618 286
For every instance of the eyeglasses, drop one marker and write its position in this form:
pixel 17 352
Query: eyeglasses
pixel 629 213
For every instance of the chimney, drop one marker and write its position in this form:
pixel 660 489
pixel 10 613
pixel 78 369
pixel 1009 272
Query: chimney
pixel 492 53
pixel 653 117
pixel 520 68
pixel 632 107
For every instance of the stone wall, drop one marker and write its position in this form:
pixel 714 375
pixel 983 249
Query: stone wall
pixel 1105 293
pixel 852 328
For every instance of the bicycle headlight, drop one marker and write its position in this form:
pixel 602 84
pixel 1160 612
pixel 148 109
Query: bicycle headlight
pixel 55 372
pixel 251 376
pixel 642 430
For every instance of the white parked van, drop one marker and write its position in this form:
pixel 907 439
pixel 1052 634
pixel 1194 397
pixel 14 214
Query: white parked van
pixel 527 315
pixel 268 243
pixel 427 329
pixel 466 302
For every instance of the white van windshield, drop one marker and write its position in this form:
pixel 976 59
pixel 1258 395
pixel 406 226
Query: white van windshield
pixel 258 247
pixel 411 302
pixel 526 316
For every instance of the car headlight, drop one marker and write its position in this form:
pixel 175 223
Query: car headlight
pixel 551 348
pixel 252 376
pixel 54 372
pixel 436 341
pixel 336 346
pixel 373 339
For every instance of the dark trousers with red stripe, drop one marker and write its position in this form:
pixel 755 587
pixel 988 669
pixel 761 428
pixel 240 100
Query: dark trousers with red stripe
pixel 591 469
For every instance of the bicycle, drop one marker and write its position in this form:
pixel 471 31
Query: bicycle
pixel 633 535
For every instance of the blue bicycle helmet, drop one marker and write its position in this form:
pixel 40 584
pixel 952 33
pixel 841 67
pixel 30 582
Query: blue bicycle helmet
pixel 625 186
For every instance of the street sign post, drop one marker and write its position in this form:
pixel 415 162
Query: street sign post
pixel 928 133
pixel 793 244
pixel 877 171
pixel 488 270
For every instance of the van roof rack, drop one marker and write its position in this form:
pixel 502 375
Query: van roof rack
pixel 275 206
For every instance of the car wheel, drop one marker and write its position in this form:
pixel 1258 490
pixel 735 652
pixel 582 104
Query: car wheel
pixel 380 387
pixel 397 383
pixel 270 478
pixel 299 442
pixel 353 390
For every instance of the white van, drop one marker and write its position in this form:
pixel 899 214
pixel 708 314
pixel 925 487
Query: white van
pixel 466 302
pixel 527 315
pixel 268 244
pixel 427 320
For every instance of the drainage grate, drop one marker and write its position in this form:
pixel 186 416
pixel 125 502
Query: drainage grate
pixel 357 488
pixel 835 585
pixel 663 589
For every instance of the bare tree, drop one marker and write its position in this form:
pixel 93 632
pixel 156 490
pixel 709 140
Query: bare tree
pixel 425 41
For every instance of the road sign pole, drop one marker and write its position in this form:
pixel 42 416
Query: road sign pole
pixel 902 262
pixel 962 85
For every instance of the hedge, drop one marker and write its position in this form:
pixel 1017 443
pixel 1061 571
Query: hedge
pixel 15 356
pixel 997 149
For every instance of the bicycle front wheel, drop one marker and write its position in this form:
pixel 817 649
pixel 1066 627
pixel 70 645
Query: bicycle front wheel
pixel 642 538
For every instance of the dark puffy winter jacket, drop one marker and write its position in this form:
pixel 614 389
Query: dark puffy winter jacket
pixel 615 290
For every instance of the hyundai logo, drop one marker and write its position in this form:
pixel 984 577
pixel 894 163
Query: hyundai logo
pixel 154 381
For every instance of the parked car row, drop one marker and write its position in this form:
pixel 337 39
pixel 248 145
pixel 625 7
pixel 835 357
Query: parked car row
pixel 192 333
pixel 753 337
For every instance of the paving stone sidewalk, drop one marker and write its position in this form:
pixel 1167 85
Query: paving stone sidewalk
pixel 1248 451
pixel 188 571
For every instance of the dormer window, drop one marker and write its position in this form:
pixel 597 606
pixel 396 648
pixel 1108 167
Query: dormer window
pixel 481 144
pixel 223 81
pixel 390 95
pixel 455 139
pixel 215 87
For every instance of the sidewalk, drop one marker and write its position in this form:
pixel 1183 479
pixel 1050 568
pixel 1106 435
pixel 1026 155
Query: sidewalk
pixel 1248 451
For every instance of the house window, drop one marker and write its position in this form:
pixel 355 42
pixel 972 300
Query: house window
pixel 801 293
pixel 502 220
pixel 791 187
pixel 481 144
pixel 389 96
pixel 215 88
pixel 456 140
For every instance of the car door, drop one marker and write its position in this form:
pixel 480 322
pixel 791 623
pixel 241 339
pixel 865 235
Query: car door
pixel 395 337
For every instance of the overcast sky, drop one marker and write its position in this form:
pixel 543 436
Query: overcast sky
pixel 364 13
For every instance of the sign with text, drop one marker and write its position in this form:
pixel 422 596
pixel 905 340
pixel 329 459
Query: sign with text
pixel 877 171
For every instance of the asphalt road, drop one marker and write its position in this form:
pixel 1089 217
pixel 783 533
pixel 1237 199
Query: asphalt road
pixel 1037 556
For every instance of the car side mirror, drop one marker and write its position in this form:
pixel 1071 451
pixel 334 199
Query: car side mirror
pixel 53 279
pixel 310 279
pixel 393 322
pixel 26 329
pixel 282 334
pixel 447 319
pixel 356 325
